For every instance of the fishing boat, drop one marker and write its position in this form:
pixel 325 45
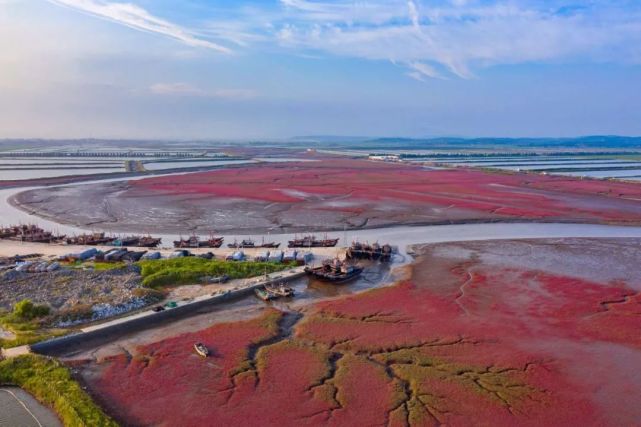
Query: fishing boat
pixel 92 239
pixel 374 251
pixel 280 290
pixel 201 349
pixel 125 241
pixel 335 271
pixel 269 245
pixel 244 244
pixel 149 242
pixel 312 242
pixel 263 294
pixel 195 242
pixel 248 244
pixel 212 242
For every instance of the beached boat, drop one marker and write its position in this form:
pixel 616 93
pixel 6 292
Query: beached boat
pixel 248 244
pixel 263 294
pixel 244 244
pixel 201 349
pixel 125 241
pixel 149 242
pixel 374 251
pixel 335 271
pixel 195 242
pixel 280 290
pixel 312 242
pixel 92 239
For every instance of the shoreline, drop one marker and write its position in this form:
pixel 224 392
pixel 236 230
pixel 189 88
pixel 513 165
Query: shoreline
pixel 403 237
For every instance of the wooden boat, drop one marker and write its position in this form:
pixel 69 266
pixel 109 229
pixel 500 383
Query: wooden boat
pixel 248 244
pixel 149 242
pixel 93 239
pixel 201 349
pixel 312 242
pixel 375 251
pixel 125 241
pixel 245 244
pixel 263 294
pixel 335 271
pixel 280 290
pixel 195 242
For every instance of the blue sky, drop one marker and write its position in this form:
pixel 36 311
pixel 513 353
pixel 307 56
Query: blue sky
pixel 274 69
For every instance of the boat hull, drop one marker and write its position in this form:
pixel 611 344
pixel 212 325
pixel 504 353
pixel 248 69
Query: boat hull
pixel 334 277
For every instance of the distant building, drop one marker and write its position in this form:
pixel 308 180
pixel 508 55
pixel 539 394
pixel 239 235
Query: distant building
pixel 386 158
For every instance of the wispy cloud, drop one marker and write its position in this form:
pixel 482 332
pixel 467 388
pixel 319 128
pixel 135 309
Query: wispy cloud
pixel 432 39
pixel 136 17
pixel 186 89
pixel 460 36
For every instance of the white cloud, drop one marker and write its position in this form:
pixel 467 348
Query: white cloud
pixel 462 35
pixel 186 89
pixel 139 19
pixel 413 12
pixel 431 38
pixel 421 70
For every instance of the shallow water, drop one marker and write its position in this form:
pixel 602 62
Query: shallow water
pixel 153 166
pixel 14 174
pixel 401 236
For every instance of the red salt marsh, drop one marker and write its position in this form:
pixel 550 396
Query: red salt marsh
pixel 495 194
pixel 484 333
pixel 332 194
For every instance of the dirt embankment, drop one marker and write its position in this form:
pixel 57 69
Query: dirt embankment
pixel 499 333
pixel 76 293
pixel 332 195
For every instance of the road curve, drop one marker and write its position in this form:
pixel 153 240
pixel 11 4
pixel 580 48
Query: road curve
pixel 19 408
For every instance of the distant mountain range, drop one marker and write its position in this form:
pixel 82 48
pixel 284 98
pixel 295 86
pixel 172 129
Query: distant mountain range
pixel 594 141
pixel 611 142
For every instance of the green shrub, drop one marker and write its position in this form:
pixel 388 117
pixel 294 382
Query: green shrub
pixel 158 273
pixel 27 310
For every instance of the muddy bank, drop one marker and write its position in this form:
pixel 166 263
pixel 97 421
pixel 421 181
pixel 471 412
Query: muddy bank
pixel 499 333
pixel 331 195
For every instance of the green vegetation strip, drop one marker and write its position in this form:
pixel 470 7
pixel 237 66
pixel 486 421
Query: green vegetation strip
pixel 25 323
pixel 157 273
pixel 52 384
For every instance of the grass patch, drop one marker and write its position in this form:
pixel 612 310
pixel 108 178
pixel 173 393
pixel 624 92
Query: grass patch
pixel 179 271
pixel 25 331
pixel 52 384
pixel 106 266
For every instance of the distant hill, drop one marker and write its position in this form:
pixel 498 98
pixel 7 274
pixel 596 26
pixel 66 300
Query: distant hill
pixel 608 142
pixel 595 141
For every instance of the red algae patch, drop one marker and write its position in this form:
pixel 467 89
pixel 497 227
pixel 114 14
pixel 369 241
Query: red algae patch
pixel 469 338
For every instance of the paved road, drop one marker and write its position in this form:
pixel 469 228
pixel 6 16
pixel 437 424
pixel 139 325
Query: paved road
pixel 19 409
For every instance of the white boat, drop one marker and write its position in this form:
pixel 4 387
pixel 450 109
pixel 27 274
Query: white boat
pixel 201 349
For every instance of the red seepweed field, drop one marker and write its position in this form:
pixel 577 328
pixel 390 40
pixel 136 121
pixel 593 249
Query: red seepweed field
pixel 361 187
pixel 484 333
pixel 333 194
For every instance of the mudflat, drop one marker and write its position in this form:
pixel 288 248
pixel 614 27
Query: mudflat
pixel 520 332
pixel 331 194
